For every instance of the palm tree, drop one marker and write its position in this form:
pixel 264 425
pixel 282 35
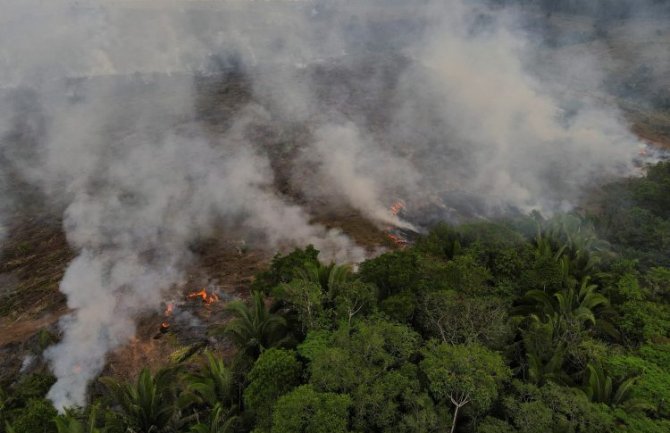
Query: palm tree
pixel 545 352
pixel 214 385
pixel 328 277
pixel 576 244
pixel 544 247
pixel 254 328
pixel 148 406
pixel 600 388
pixel 573 307
pixel 579 305
pixel 219 421
pixel 212 391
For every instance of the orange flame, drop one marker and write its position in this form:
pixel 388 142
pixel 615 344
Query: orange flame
pixel 169 308
pixel 397 207
pixel 397 239
pixel 207 298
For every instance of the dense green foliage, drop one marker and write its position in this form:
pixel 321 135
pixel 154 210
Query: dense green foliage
pixel 525 325
pixel 635 215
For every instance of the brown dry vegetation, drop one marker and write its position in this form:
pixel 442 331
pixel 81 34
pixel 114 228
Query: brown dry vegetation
pixel 34 259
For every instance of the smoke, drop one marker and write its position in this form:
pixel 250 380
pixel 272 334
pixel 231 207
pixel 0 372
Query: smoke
pixel 495 129
pixel 137 179
pixel 350 104
pixel 352 169
pixel 135 202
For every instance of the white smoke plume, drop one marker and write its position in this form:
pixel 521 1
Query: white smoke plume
pixel 133 232
pixel 504 134
pixel 138 180
pixel 414 100
pixel 358 171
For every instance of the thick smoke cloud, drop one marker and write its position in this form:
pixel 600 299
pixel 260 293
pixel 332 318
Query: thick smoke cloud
pixel 495 128
pixel 137 179
pixel 426 101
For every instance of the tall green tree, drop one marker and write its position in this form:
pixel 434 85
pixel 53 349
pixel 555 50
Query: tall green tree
pixel 305 298
pixel 283 269
pixel 456 318
pixel 352 299
pixel 353 356
pixel 275 372
pixel 305 410
pixel 464 375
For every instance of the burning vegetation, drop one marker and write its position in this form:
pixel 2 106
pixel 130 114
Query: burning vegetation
pixel 400 236
pixel 194 299
pixel 207 298
pixel 165 324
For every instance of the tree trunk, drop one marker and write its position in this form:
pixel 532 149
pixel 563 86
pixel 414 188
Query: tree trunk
pixel 462 401
pixel 453 423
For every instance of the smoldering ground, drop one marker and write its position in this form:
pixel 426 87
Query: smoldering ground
pixel 102 113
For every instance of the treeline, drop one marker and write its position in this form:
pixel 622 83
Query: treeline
pixel 527 325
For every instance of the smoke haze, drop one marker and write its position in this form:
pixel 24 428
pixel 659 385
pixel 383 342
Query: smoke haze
pixel 350 103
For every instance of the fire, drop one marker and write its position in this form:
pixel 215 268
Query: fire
pixel 397 239
pixel 165 325
pixel 207 298
pixel 397 207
